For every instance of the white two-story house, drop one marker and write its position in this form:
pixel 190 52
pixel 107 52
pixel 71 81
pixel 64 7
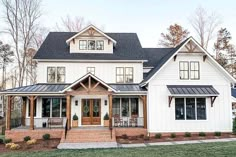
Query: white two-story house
pixel 92 73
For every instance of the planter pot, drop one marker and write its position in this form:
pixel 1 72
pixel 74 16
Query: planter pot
pixel 106 123
pixel 75 123
pixel 44 124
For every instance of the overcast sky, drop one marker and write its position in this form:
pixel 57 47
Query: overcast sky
pixel 148 18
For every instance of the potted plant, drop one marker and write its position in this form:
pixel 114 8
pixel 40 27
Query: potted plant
pixel 75 121
pixel 106 120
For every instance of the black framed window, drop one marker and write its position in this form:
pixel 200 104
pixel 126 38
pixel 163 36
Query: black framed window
pixel 56 74
pixel 100 44
pixel 35 107
pixel 46 107
pixel 91 44
pixel 63 107
pixel 53 107
pixel 179 109
pixel 83 44
pixel 51 74
pixel 61 74
pixel 134 106
pixel 91 70
pixel 119 75
pixel 129 75
pixel 116 106
pixel 184 70
pixel 201 108
pixel 125 107
pixel 194 70
pixel 190 109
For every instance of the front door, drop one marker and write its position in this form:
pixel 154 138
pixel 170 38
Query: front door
pixel 91 111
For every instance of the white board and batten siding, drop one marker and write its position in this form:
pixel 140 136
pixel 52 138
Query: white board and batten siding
pixel 161 117
pixel 75 70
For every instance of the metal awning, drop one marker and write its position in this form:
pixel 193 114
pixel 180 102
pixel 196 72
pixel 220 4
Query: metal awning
pixel 192 90
pixel 128 88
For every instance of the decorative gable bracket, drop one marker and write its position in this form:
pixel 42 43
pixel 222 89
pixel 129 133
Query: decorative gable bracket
pixel 213 98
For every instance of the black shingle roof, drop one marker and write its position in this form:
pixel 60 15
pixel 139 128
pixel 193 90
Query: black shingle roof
pixel 128 47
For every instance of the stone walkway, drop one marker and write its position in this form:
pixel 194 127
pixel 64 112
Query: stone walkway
pixel 97 145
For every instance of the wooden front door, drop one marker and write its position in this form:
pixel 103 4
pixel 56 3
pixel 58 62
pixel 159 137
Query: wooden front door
pixel 91 111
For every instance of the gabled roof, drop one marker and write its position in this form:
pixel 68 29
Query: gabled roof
pixel 163 61
pixel 87 28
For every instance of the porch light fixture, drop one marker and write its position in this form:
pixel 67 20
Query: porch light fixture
pixel 76 102
pixel 105 102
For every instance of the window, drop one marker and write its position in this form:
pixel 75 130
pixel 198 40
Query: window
pixel 120 75
pixel 183 70
pixel 194 70
pixel 83 44
pixel 35 107
pixel 190 108
pixel 116 107
pixel 91 70
pixel 56 74
pixel 91 45
pixel 134 106
pixel 53 107
pixel 100 45
pixel 125 107
pixel 129 75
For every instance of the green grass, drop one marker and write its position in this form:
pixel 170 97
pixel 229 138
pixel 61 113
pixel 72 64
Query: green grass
pixel 190 150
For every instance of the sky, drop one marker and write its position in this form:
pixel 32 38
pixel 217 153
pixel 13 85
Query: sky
pixel 147 18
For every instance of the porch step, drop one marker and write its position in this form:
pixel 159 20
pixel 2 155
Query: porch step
pixel 81 136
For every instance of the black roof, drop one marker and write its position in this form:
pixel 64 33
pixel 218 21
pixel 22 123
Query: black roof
pixel 128 47
pixel 127 87
pixel 192 90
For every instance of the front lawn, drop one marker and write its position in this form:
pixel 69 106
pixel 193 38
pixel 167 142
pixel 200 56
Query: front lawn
pixel 190 150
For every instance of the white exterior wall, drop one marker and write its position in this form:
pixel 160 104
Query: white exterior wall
pixel 161 117
pixel 75 70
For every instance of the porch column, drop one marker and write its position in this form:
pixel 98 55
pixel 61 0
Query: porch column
pixel 23 111
pixel 144 111
pixel 8 122
pixel 68 111
pixel 110 110
pixel 31 112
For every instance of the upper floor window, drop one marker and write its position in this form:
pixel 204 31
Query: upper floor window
pixel 100 45
pixel 124 75
pixel 83 44
pixel 189 70
pixel 91 44
pixel 56 74
pixel 91 70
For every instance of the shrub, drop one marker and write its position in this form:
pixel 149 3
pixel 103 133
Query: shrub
pixel 75 117
pixel 158 135
pixel 46 137
pixel 8 140
pixel 8 145
pixel 234 126
pixel 187 134
pixel 217 133
pixel 146 138
pixel 31 142
pixel 202 134
pixel 27 138
pixel 173 135
pixel 106 117
pixel 124 136
pixel 15 146
pixel 1 141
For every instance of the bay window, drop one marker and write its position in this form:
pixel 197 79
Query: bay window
pixel 53 107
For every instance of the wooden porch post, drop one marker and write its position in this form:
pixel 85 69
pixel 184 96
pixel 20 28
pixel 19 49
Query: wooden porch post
pixel 145 111
pixel 31 112
pixel 110 110
pixel 23 111
pixel 68 111
pixel 8 122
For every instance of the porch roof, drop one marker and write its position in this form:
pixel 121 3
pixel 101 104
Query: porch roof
pixel 128 88
pixel 192 90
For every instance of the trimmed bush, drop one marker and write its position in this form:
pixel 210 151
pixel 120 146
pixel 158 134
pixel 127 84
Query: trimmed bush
pixel 46 137
pixel 234 126
pixel 173 135
pixel 31 142
pixel 106 117
pixel 1 141
pixel 124 136
pixel 75 117
pixel 202 134
pixel 158 135
pixel 217 133
pixel 8 145
pixel 15 146
pixel 8 140
pixel 187 134
pixel 27 138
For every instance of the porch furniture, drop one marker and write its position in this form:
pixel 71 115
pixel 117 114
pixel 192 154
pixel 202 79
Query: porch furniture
pixel 55 121
pixel 133 120
pixel 118 121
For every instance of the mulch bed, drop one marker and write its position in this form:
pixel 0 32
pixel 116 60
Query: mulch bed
pixel 41 145
pixel 142 139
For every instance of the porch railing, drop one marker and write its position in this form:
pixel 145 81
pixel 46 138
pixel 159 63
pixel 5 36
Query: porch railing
pixel 128 122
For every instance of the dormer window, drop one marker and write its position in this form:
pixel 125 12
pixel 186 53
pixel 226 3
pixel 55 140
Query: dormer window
pixel 91 44
pixel 100 45
pixel 83 44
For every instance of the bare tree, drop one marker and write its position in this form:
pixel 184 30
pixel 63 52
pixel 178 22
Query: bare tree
pixel 21 18
pixel 69 24
pixel 31 65
pixel 175 35
pixel 39 37
pixel 205 25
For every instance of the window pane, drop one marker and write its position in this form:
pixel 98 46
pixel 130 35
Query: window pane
pixel 83 45
pixel 116 107
pixel 55 107
pixel 91 44
pixel 128 75
pixel 86 108
pixel 190 108
pixel 100 45
pixel 120 75
pixel 35 107
pixel 125 107
pixel 179 109
pixel 51 74
pixel 184 70
pixel 60 74
pixel 201 108
pixel 46 107
pixel 96 107
pixel 194 70
pixel 134 106
pixel 63 107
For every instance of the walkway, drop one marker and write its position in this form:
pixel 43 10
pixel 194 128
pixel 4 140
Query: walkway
pixel 116 145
